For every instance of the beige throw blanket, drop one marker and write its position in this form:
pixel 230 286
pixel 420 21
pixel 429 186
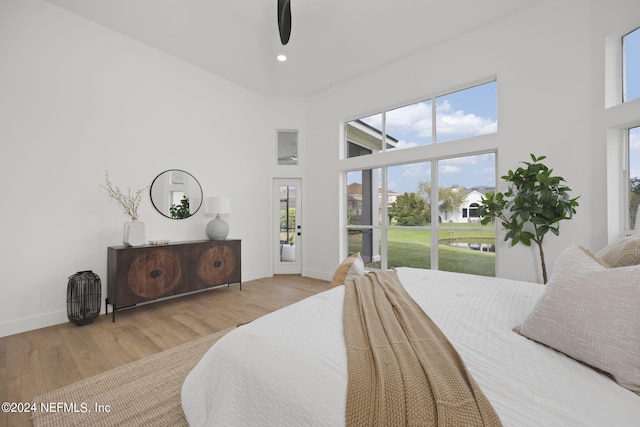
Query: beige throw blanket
pixel 402 369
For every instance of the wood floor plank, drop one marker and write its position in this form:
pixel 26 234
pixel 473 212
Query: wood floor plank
pixel 3 370
pixel 38 361
pixel 53 351
pixel 25 376
pixel 83 352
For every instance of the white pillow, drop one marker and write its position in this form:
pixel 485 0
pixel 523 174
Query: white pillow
pixel 592 314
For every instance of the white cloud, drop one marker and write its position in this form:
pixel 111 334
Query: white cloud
pixel 448 169
pixel 416 120
pixel 405 144
pixel 468 160
pixel 417 170
pixel 412 119
pixel 489 171
pixel 457 122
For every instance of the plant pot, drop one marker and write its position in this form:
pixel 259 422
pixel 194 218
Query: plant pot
pixel 133 233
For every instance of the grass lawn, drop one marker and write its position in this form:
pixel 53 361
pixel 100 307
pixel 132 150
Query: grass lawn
pixel 412 248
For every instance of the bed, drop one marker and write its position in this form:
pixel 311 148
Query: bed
pixel 289 368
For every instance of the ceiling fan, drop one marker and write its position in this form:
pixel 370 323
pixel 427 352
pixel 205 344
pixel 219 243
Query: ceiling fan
pixel 284 20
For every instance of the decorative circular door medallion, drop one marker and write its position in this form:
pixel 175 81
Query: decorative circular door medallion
pixel 154 274
pixel 215 264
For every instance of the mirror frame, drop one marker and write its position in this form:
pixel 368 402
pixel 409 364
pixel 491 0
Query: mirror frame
pixel 157 181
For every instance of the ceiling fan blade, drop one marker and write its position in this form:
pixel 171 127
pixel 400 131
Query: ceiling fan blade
pixel 284 20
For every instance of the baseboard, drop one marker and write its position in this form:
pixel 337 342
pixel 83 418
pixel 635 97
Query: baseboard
pixel 254 275
pixel 24 324
pixel 317 274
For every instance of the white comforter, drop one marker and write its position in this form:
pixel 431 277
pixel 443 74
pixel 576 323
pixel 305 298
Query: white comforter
pixel 288 368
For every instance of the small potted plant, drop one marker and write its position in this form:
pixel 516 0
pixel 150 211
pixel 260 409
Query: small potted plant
pixel 534 204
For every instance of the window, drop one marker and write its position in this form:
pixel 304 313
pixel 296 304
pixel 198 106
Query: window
pixel 423 212
pixel 287 147
pixel 634 177
pixel 631 65
pixel 363 214
pixel 628 135
pixel 394 214
pixel 410 126
pixel 462 114
pixel 465 245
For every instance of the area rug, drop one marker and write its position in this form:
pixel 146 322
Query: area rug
pixel 142 393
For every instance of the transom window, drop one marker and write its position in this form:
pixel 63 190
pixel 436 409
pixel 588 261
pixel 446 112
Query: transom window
pixel 462 114
pixel 631 65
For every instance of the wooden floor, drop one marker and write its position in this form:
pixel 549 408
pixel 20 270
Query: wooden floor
pixel 39 361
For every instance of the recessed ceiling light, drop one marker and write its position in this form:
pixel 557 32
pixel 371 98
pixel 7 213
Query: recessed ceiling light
pixel 281 58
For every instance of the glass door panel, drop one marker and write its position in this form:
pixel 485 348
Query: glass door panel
pixel 288 231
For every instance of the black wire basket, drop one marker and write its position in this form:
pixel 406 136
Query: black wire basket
pixel 83 297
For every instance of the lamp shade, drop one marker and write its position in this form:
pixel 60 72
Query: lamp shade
pixel 217 205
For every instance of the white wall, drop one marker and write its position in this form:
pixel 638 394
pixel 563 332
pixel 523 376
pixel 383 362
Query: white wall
pixel 542 60
pixel 78 99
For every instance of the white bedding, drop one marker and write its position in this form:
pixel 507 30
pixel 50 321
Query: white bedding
pixel 288 368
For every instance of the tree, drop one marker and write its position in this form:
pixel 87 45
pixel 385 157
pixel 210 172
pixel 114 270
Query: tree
pixel 533 205
pixel 288 224
pixel 451 197
pixel 424 191
pixel 409 209
pixel 634 200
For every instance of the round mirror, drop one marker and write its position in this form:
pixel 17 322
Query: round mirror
pixel 176 194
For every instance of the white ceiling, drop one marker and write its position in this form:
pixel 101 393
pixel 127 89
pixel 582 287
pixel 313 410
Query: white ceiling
pixel 331 40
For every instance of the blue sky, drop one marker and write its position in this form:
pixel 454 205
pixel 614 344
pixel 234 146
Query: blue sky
pixel 632 65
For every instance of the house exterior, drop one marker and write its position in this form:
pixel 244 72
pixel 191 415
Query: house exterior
pixel 468 210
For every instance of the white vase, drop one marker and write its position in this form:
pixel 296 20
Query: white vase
pixel 133 233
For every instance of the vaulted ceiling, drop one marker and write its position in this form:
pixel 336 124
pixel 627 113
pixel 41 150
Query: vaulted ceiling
pixel 332 41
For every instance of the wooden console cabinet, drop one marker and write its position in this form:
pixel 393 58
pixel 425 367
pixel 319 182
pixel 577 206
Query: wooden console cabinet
pixel 145 273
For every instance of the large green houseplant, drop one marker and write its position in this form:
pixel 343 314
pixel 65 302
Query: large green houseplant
pixel 534 204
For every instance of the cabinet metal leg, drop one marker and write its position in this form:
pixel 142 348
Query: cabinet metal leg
pixel 106 309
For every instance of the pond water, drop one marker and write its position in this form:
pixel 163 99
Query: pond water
pixel 474 246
